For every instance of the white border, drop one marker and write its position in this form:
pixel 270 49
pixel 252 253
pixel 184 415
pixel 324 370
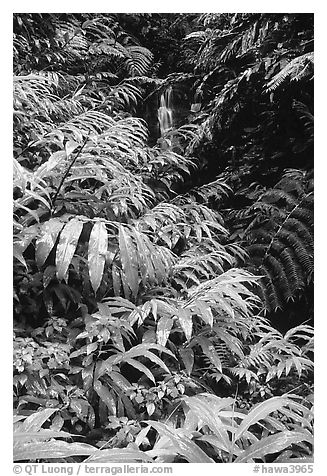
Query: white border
pixel 320 11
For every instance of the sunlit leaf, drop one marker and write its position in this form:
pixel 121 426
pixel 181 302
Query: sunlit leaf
pixel 106 396
pixel 128 257
pixel 182 445
pixel 150 408
pixel 98 245
pixel 142 368
pixel 259 412
pixel 163 329
pixel 70 146
pixel 207 408
pixel 35 421
pixel 50 450
pixel 273 444
pixel 119 455
pixel 187 356
pixel 186 322
pixel 209 350
pixel 47 239
pixel 67 246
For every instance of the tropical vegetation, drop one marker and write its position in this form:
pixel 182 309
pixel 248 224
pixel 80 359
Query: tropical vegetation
pixel 163 279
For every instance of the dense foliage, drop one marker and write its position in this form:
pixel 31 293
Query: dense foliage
pixel 156 278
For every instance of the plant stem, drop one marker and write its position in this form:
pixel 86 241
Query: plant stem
pixel 67 172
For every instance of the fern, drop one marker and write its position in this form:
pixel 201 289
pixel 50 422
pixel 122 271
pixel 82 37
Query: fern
pixel 201 262
pixel 275 354
pixel 296 70
pixel 139 60
pixel 307 119
pixel 132 257
pixel 282 248
pixel 30 188
pixel 131 293
pixel 226 295
pixel 277 229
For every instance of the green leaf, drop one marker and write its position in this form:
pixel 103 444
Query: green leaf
pixel 204 310
pixel 120 381
pixel 35 421
pixel 207 409
pixel 106 396
pixel 187 356
pixel 98 246
pixel 147 270
pixel 259 412
pixel 185 320
pixel 44 244
pixel 91 348
pixel 121 455
pixel 150 408
pixel 39 435
pixel 48 275
pixel 154 358
pixel 273 444
pixel 57 423
pixel 163 330
pixel 128 258
pixel 182 445
pixel 67 246
pixel 81 407
pixel 54 160
pixel 209 350
pixel 70 146
pixel 233 343
pixel 140 349
pixel 141 368
pixel 116 279
pixel 50 450
pixel 23 241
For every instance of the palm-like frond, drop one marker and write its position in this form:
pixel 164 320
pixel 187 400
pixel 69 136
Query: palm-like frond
pixel 297 69
pixel 214 191
pixel 307 119
pixel 31 189
pixel 138 61
pixel 132 258
pixel 228 434
pixel 282 242
pixel 201 261
pixel 275 354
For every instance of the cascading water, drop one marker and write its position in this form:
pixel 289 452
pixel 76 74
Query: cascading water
pixel 165 112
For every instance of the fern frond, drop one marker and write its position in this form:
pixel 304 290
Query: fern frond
pixel 226 295
pixel 216 191
pixel 132 260
pixel 306 117
pixel 282 248
pixel 124 96
pixel 197 36
pixel 163 168
pixel 297 69
pixel 138 61
pixel 190 222
pixel 108 47
pixel 32 189
pixel 196 264
pixel 237 297
pixel 274 354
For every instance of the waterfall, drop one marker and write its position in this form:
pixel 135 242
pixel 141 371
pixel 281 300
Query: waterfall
pixel 165 113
